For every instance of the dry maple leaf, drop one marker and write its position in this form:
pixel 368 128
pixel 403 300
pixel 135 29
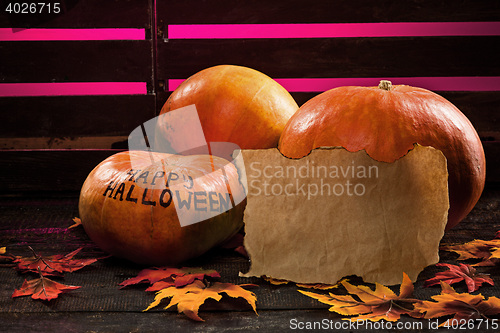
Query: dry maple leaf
pixel 321 286
pixel 152 275
pixel 190 297
pixel 42 288
pixel 274 281
pixel 459 305
pixel 191 274
pixel 77 222
pixel 52 265
pixel 495 253
pixel 163 277
pixel 456 274
pixel 374 305
pixel 477 249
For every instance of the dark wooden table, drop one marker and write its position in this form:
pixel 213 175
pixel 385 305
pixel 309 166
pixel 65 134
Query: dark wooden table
pixel 41 221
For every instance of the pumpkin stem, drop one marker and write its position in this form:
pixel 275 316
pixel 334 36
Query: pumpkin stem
pixel 385 85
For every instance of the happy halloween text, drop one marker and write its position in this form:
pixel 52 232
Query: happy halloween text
pixel 185 197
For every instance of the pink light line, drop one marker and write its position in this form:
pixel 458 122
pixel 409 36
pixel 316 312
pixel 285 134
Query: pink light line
pixel 9 34
pixel 461 83
pixel 332 30
pixel 72 89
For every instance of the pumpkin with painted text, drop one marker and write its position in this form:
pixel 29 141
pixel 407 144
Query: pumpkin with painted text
pixel 161 209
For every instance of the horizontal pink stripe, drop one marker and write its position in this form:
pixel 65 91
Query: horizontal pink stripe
pixel 462 83
pixel 69 150
pixel 8 34
pixel 332 30
pixel 36 230
pixel 72 89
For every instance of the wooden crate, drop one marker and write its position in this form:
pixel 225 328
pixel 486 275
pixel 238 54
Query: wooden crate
pixel 50 143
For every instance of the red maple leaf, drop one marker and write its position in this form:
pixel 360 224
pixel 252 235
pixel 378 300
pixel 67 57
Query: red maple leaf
pixel 163 277
pixel 456 274
pixel 52 265
pixel 42 288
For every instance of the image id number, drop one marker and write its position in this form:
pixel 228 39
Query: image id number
pixel 33 8
pixel 463 324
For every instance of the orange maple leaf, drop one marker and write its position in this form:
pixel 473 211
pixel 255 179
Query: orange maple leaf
pixel 374 305
pixel 486 250
pixel 52 265
pixel 42 288
pixel 190 297
pixel 77 222
pixel 163 277
pixel 459 305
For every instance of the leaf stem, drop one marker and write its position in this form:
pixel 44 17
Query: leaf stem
pixel 39 257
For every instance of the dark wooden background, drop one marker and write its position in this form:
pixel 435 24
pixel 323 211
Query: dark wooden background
pixel 51 143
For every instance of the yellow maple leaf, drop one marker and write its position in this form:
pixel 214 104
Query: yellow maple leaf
pixel 462 306
pixel 274 281
pixel 486 250
pixel 495 253
pixel 374 305
pixel 189 298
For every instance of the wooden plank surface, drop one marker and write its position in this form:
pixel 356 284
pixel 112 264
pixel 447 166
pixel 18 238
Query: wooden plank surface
pixel 335 57
pixel 101 122
pixel 47 170
pixel 74 116
pixel 24 171
pixel 70 61
pixel 344 11
pixel 85 14
pixel 117 322
pixel 41 221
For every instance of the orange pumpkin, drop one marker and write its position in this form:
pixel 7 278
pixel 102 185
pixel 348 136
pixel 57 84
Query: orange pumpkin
pixel 235 104
pixel 386 121
pixel 129 206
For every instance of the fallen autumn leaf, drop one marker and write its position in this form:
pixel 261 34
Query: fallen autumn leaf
pixel 373 305
pixel 456 274
pixel 190 297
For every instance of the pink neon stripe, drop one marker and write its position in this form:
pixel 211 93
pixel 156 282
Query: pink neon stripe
pixel 72 89
pixel 332 30
pixel 461 83
pixel 432 83
pixel 8 34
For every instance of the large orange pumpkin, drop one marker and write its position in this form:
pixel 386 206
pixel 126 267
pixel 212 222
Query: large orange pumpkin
pixel 386 121
pixel 235 104
pixel 129 210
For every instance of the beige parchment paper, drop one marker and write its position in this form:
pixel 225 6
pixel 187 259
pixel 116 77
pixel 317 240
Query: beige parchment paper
pixel 336 213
